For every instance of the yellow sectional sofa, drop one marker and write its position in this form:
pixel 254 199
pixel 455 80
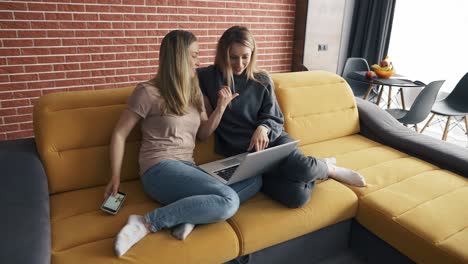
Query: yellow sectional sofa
pixel 412 204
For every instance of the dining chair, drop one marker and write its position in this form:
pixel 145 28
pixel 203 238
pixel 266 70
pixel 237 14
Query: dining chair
pixel 359 88
pixel 454 105
pixel 421 107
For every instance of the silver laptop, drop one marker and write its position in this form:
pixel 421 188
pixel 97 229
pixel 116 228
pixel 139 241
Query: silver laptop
pixel 240 167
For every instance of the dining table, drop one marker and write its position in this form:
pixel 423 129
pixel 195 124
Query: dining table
pixel 396 80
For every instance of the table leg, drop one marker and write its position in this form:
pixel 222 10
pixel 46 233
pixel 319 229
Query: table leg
pixel 466 125
pixel 444 137
pixel 389 97
pixel 416 127
pixel 380 94
pixel 369 89
pixel 402 99
pixel 428 122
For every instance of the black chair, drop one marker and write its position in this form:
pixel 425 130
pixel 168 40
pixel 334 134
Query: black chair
pixel 421 107
pixel 359 88
pixel 454 105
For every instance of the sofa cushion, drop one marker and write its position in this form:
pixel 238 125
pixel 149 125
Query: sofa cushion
pixel 413 205
pixel 81 233
pixel 261 217
pixel 317 105
pixel 424 216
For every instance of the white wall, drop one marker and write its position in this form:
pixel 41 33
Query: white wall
pixel 328 23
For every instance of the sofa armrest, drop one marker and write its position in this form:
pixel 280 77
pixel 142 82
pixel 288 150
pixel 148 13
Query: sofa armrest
pixel 380 126
pixel 24 203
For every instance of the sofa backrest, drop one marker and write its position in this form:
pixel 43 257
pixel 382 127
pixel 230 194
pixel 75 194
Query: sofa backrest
pixel 73 129
pixel 317 105
pixel 73 132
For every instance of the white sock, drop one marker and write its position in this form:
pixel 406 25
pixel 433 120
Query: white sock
pixel 130 234
pixel 182 231
pixel 135 219
pixel 331 160
pixel 348 176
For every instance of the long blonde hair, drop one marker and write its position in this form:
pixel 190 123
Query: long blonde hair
pixel 175 80
pixel 241 35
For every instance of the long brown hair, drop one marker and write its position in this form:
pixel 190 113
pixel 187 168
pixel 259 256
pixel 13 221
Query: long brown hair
pixel 241 35
pixel 175 80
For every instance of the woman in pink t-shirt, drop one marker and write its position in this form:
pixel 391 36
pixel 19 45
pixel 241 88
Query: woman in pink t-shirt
pixel 172 114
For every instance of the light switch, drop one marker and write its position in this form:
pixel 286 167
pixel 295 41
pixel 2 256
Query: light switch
pixel 322 47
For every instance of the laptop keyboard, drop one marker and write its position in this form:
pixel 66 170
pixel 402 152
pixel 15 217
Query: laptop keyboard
pixel 226 173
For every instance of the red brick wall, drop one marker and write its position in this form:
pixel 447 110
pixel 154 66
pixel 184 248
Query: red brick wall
pixel 51 45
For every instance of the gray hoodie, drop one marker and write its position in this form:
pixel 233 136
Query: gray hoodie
pixel 256 105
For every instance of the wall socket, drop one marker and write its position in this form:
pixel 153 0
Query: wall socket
pixel 322 47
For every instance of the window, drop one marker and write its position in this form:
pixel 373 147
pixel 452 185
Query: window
pixel 429 40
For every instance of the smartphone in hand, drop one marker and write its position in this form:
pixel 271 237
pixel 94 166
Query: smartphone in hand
pixel 113 203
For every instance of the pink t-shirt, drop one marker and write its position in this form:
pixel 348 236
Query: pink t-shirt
pixel 163 136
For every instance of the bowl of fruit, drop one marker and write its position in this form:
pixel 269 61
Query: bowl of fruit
pixel 384 69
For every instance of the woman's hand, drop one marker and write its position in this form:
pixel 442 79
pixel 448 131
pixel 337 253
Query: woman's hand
pixel 225 96
pixel 112 187
pixel 259 139
pixel 209 124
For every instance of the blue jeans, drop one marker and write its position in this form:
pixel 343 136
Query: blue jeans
pixel 190 195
